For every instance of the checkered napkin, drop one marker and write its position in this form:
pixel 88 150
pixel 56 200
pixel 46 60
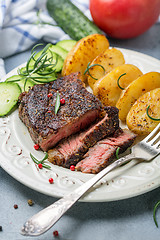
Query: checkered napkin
pixel 24 22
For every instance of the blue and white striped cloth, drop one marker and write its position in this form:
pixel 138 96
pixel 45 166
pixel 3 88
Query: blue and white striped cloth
pixel 21 27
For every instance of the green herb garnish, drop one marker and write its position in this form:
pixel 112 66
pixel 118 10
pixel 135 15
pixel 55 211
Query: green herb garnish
pixel 154 119
pixel 42 67
pixel 41 161
pixel 117 152
pixel 154 213
pixel 57 105
pixel 119 79
pixel 90 66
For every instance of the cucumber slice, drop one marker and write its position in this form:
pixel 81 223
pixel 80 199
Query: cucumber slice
pixel 29 84
pixel 9 93
pixel 20 81
pixel 58 50
pixel 66 44
pixel 56 59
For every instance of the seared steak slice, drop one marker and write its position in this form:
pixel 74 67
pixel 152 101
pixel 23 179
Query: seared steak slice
pixel 37 110
pixel 103 153
pixel 69 151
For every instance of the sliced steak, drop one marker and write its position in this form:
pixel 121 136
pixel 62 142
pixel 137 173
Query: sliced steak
pixel 71 150
pixel 37 110
pixel 103 153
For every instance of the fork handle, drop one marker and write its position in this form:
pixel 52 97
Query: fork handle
pixel 46 218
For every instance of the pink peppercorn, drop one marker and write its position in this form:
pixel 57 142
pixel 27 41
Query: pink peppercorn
pixel 51 180
pixel 15 206
pixel 36 147
pixel 40 165
pixel 49 95
pixel 55 233
pixel 62 101
pixel 72 167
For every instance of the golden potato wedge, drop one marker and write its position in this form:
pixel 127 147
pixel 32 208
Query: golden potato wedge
pixel 109 59
pixel 138 120
pixel 135 89
pixel 83 52
pixel 107 89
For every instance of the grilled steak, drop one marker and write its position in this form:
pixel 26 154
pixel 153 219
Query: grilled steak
pixel 70 150
pixel 101 155
pixel 37 110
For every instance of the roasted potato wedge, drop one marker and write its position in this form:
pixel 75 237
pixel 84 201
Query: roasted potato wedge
pixel 109 59
pixel 138 120
pixel 107 89
pixel 83 52
pixel 135 89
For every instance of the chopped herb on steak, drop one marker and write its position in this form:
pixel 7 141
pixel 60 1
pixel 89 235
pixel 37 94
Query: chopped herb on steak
pixel 37 110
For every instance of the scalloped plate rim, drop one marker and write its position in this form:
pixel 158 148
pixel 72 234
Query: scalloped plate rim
pixel 149 185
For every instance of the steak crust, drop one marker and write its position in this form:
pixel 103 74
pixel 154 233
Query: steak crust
pixel 37 110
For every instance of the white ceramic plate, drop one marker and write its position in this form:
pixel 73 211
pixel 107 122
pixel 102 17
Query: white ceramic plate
pixel 125 182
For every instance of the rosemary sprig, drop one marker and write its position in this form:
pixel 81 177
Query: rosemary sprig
pixel 154 213
pixel 57 104
pixel 90 66
pixel 38 69
pixel 119 79
pixel 37 45
pixel 14 80
pixel 35 160
pixel 154 119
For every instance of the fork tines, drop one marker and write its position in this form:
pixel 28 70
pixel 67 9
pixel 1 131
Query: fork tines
pixel 154 137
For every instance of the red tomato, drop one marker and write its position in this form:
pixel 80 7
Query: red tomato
pixel 124 18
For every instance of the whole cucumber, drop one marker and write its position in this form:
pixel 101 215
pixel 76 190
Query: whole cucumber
pixel 71 19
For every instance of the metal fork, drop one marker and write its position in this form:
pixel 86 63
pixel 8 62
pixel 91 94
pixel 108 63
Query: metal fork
pixel 145 150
